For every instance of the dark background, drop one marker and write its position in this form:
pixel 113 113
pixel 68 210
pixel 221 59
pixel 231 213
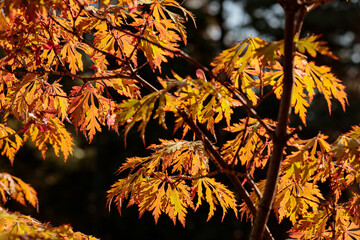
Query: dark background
pixel 75 192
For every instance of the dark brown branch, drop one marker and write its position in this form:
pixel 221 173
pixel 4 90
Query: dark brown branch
pixel 145 83
pixel 84 79
pixel 280 137
pixel 241 144
pixel 211 174
pixel 10 135
pixel 251 182
pixel 300 21
pixel 312 5
pixel 295 12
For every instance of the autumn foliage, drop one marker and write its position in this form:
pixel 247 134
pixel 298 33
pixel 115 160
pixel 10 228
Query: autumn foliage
pixel 65 64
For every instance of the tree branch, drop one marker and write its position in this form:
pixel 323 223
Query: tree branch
pixel 280 137
pixel 211 174
pixel 10 135
pixel 84 79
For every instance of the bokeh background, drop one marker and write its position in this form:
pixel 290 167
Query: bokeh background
pixel 75 192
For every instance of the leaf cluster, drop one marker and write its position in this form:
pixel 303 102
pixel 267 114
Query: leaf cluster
pixel 78 62
pixel 169 180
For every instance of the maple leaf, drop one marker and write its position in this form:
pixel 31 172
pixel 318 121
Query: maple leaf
pixel 159 11
pixel 249 146
pixel 179 201
pixel 308 162
pixel 9 147
pixel 270 54
pixel 157 192
pixel 83 110
pixel 215 193
pixel 154 53
pixel 246 64
pixel 351 232
pixel 105 41
pixel 311 226
pixel 57 99
pixel 125 87
pixel 309 78
pixel 294 200
pixel 299 101
pixel 239 57
pixel 312 46
pixel 91 122
pixel 70 55
pixel 353 206
pixel 178 155
pixel 182 156
pixel 327 84
pixel 18 190
pixel 208 103
pixel 140 110
pixel 16 225
pixel 56 135
pixel 150 195
pixel 25 96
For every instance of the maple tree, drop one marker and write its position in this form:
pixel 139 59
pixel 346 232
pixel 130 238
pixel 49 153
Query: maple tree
pixel 69 62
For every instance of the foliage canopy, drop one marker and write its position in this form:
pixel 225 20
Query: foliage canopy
pixel 78 62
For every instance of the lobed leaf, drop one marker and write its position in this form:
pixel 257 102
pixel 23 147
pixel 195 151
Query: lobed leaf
pixel 18 226
pixel 251 146
pixel 9 147
pixel 312 46
pixel 15 188
pixel 215 194
pixel 52 131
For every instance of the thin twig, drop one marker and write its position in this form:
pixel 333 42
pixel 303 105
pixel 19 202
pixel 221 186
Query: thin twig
pixel 10 135
pixel 211 174
pixel 250 180
pixel 241 144
pixel 84 79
